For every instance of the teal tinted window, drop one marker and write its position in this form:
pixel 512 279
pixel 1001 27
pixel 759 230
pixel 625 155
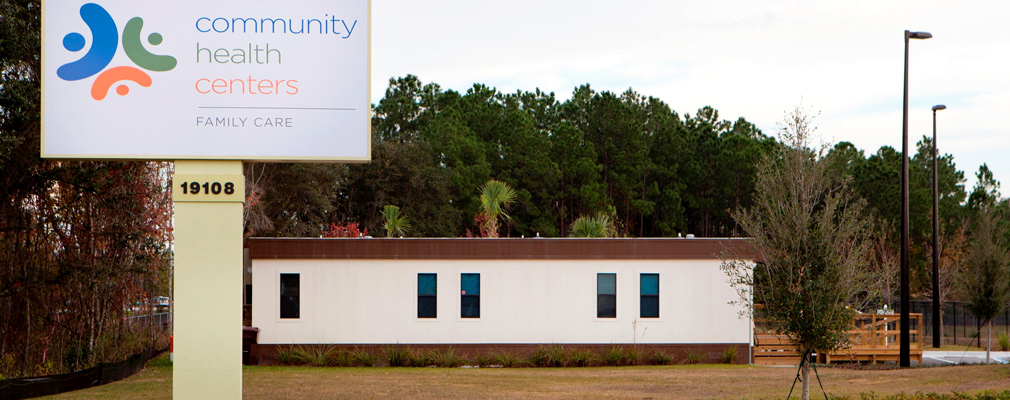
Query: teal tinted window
pixel 469 299
pixel 427 299
pixel 426 284
pixel 606 283
pixel 650 284
pixel 606 295
pixel 471 284
pixel 649 299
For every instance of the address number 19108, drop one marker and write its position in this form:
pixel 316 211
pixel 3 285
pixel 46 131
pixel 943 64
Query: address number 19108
pixel 207 187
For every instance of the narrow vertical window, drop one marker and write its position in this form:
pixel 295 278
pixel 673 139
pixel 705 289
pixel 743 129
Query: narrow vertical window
pixel 649 303
pixel 470 296
pixel 289 295
pixel 427 296
pixel 606 295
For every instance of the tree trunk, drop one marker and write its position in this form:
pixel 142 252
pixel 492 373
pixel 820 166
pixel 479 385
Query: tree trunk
pixel 492 227
pixel 988 342
pixel 805 377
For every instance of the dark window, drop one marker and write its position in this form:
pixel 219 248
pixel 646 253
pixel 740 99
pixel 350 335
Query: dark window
pixel 289 295
pixel 470 296
pixel 248 294
pixel 427 297
pixel 606 295
pixel 649 304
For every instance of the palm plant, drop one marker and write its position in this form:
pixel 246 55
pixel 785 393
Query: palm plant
pixel 394 223
pixel 495 197
pixel 598 226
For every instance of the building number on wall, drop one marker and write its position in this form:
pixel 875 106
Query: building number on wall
pixel 208 187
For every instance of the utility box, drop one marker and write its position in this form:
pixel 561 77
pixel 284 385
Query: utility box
pixel 250 346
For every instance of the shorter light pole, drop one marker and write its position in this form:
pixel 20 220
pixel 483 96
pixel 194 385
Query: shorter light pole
pixel 936 240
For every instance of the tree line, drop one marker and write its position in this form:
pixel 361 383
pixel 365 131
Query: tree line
pixel 656 172
pixel 80 242
pixel 651 171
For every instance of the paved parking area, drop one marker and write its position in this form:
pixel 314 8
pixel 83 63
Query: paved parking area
pixel 963 357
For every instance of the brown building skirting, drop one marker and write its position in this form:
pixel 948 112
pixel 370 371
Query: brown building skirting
pixel 711 353
pixel 500 249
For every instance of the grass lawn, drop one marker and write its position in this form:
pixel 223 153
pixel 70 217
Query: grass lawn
pixel 688 382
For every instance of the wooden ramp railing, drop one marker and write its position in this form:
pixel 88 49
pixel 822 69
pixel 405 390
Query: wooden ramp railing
pixel 773 349
pixel 873 337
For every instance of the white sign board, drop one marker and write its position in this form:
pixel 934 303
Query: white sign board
pixel 206 79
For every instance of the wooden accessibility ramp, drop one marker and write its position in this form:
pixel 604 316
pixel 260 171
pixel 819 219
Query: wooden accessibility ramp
pixel 872 338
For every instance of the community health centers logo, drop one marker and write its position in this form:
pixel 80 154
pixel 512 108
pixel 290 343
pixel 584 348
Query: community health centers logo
pixel 104 45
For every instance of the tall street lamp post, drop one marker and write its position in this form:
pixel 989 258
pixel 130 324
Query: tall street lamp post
pixel 936 240
pixel 905 353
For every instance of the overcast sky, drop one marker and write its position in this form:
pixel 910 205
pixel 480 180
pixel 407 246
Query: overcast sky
pixel 747 59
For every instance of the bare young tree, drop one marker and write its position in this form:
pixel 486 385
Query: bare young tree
pixel 810 242
pixel 985 281
pixel 254 217
pixel 884 265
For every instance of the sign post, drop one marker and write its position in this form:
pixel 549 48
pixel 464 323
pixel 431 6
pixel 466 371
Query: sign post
pixel 208 277
pixel 209 84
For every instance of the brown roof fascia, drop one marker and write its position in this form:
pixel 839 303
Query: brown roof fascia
pixel 501 249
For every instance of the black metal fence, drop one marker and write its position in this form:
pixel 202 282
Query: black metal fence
pixel 24 388
pixel 959 326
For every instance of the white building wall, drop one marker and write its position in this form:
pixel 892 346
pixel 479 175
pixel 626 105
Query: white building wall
pixel 522 301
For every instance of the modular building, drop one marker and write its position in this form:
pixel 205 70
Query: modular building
pixel 477 294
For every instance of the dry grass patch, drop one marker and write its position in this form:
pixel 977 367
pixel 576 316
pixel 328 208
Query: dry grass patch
pixel 657 382
pixel 700 381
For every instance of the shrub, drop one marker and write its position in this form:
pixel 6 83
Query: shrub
pixel 985 395
pixel 632 356
pixel 1004 341
pixel 446 358
pixel 345 231
pixel 612 356
pixel 399 356
pixel 729 355
pixel 580 358
pixel 549 356
pixel 557 355
pixel 661 358
pixel 693 357
pixel 420 360
pixel 342 358
pixel 538 358
pixel 483 360
pixel 363 357
pixel 508 359
pixel 316 356
pixel 286 356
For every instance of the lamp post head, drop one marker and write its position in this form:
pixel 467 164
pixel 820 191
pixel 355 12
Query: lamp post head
pixel 917 35
pixel 939 107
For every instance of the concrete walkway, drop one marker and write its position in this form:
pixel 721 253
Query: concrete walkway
pixel 963 357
